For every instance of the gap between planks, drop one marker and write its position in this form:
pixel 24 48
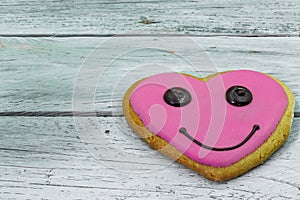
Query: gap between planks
pixel 72 114
pixel 148 35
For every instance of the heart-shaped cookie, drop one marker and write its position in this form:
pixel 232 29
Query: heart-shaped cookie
pixel 220 126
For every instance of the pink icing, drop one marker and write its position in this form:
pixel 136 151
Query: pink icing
pixel 209 118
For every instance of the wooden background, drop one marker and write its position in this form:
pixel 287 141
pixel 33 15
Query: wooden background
pixel 47 153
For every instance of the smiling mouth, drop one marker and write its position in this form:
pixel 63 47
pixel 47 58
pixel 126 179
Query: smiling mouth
pixel 184 132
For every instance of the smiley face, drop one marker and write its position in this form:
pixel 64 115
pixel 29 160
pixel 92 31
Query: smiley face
pixel 215 121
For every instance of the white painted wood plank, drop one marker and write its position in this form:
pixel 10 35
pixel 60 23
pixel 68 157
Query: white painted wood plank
pixel 122 16
pixel 43 158
pixel 39 74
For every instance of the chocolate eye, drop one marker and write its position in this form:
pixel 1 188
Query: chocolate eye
pixel 177 97
pixel 238 96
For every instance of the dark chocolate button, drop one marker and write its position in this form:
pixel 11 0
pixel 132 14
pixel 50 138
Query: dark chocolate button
pixel 177 97
pixel 238 96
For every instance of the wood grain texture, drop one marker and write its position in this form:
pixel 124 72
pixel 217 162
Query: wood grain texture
pixel 39 74
pixel 100 157
pixel 149 16
pixel 44 158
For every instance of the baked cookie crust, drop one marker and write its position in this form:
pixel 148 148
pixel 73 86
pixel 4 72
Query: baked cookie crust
pixel 257 157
